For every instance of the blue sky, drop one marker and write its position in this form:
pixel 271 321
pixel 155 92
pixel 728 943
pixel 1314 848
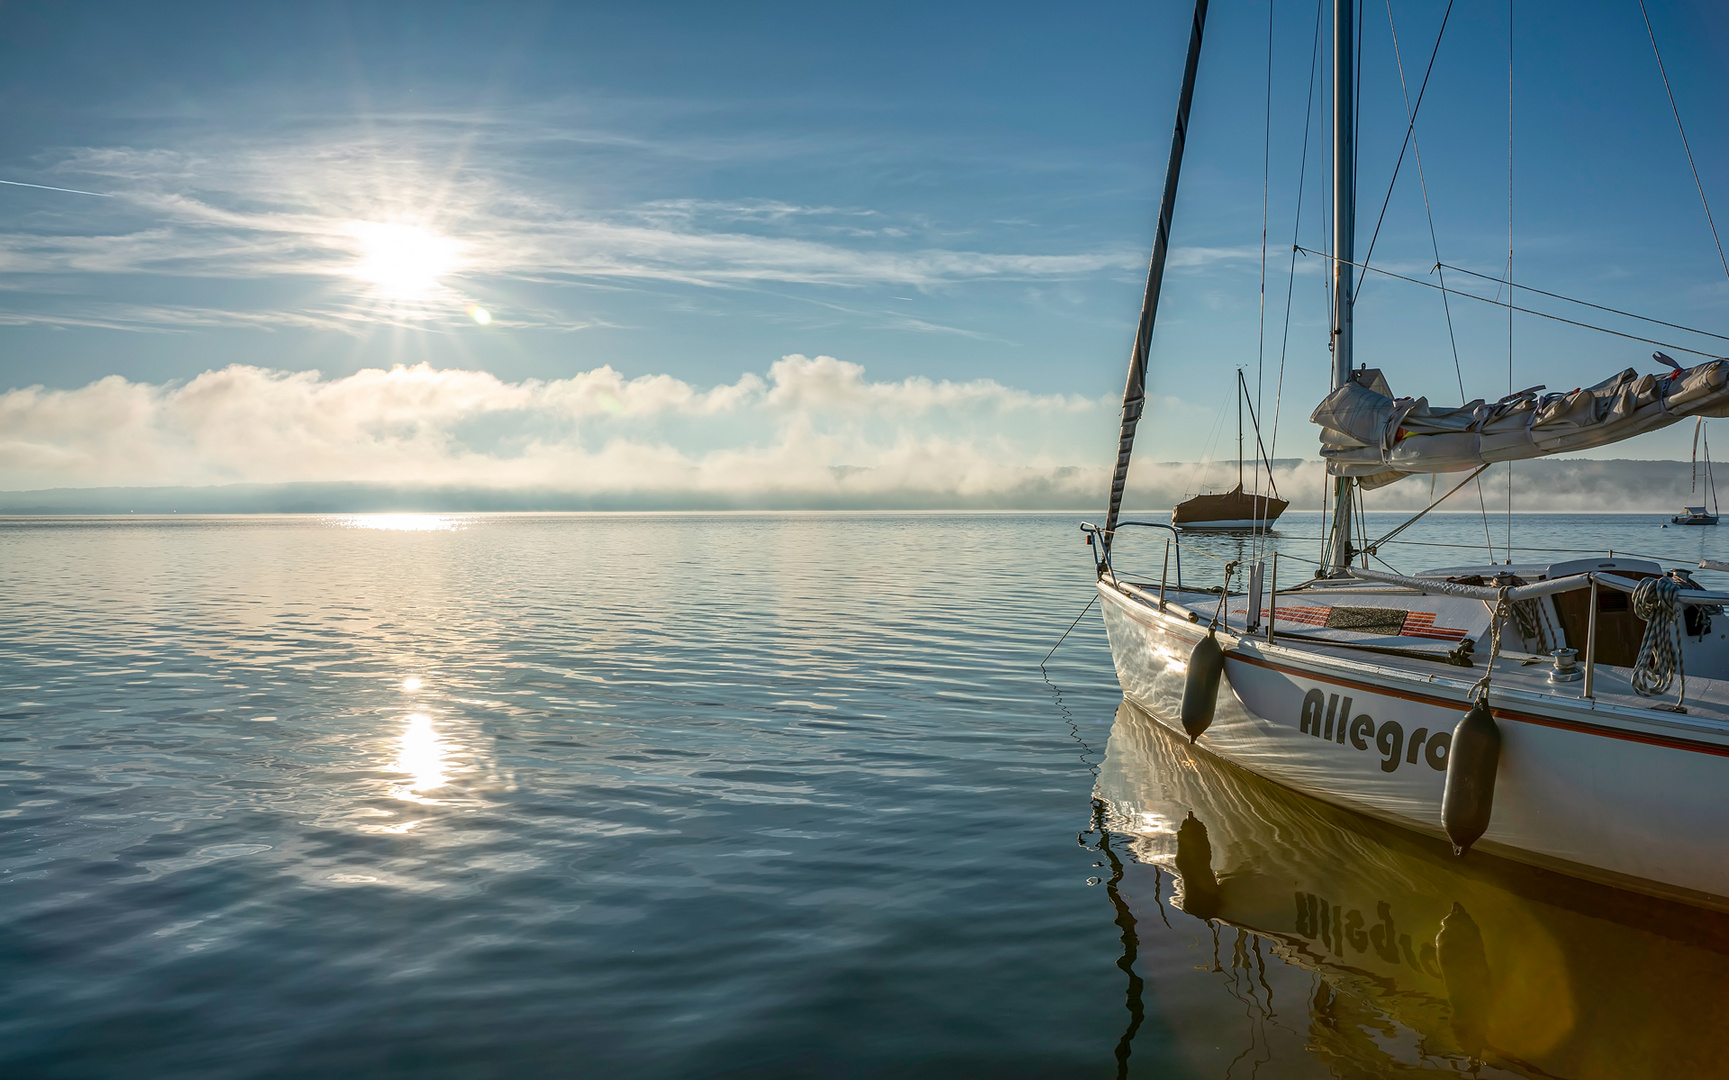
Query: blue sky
pixel 936 194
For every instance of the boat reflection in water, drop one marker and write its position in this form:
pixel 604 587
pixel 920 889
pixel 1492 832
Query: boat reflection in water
pixel 1423 960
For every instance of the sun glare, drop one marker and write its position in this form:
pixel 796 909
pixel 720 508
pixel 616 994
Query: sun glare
pixel 400 522
pixel 420 753
pixel 403 262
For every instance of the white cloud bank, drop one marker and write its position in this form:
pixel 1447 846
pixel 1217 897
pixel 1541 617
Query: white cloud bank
pixel 812 432
pixel 814 427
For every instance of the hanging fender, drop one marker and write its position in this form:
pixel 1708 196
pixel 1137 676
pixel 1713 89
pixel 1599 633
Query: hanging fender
pixel 1471 764
pixel 1201 689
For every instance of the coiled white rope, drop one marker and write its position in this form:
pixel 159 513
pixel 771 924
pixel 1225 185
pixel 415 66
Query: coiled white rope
pixel 1654 600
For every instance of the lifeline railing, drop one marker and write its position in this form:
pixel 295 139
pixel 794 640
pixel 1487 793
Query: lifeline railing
pixel 1096 538
pixel 1100 542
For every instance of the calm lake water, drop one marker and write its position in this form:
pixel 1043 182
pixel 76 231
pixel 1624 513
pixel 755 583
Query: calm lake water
pixel 711 795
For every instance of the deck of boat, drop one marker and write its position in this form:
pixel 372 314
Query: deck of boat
pixel 1515 675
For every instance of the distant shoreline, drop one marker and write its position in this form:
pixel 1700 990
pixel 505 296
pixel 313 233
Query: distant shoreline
pixel 1093 511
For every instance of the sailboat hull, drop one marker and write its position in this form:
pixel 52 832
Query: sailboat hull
pixel 1228 523
pixel 1636 804
pixel 1233 510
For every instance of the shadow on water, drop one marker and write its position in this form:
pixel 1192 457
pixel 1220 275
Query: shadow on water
pixel 1134 997
pixel 1414 960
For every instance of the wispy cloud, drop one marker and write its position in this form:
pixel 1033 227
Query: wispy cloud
pixel 287 208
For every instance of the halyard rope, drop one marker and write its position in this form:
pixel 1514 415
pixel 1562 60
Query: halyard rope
pixel 1503 610
pixel 1654 600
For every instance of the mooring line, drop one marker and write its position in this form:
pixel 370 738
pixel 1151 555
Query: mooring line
pixel 1065 636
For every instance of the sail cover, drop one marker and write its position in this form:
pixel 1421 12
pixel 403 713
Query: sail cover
pixel 1369 434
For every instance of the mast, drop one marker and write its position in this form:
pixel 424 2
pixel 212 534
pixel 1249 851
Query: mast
pixel 1239 429
pixel 1135 392
pixel 1337 554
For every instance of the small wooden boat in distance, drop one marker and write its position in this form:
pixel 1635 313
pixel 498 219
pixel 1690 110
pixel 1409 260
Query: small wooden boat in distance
pixel 1235 509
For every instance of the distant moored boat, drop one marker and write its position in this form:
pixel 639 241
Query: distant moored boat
pixel 1235 509
pixel 1696 515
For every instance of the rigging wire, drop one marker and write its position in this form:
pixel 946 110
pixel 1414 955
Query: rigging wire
pixel 1327 136
pixel 1361 505
pixel 1510 261
pixel 1429 214
pixel 1261 321
pixel 1329 133
pixel 1525 310
pixel 1684 144
pixel 1356 123
pixel 1433 502
pixel 1204 467
pixel 1411 117
pixel 1296 229
pixel 1589 304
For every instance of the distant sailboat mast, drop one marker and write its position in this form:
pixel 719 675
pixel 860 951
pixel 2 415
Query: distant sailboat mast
pixel 1698 426
pixel 1699 436
pixel 1710 480
pixel 1239 429
pixel 1337 554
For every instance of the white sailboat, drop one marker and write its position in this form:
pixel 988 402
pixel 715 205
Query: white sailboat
pixel 1698 515
pixel 1567 713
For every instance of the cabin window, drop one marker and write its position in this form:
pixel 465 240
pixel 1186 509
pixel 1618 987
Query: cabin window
pixel 1619 631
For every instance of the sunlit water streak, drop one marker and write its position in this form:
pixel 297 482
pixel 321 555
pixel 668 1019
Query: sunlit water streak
pixel 466 795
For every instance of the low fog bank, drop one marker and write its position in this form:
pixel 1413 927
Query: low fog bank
pixel 1551 486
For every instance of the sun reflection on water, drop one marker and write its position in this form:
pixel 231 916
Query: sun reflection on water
pixel 422 755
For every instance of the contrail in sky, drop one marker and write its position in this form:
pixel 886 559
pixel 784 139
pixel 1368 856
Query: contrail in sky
pixel 45 187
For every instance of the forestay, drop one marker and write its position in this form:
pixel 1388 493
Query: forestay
pixel 1368 434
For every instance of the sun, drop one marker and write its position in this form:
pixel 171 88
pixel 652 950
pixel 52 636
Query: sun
pixel 402 262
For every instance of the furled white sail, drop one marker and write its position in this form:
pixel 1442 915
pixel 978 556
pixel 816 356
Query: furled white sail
pixel 1368 434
